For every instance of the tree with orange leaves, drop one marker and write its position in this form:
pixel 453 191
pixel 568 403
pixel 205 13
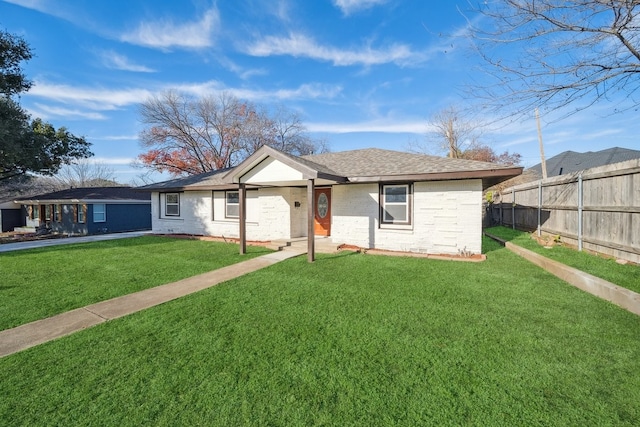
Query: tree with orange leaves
pixel 187 136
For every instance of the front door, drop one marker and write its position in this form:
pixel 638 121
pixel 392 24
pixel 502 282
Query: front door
pixel 322 220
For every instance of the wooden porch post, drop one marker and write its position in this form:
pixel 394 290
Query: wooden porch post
pixel 242 194
pixel 311 256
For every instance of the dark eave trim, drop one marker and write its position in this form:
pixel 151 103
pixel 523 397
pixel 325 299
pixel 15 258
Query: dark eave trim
pixel 440 176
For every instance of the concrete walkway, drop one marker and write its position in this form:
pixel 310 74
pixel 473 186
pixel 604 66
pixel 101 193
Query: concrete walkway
pixel 40 331
pixel 32 244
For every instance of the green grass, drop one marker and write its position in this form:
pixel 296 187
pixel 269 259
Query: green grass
pixel 627 276
pixel 43 282
pixel 352 339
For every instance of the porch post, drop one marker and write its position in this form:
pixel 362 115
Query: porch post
pixel 242 218
pixel 311 256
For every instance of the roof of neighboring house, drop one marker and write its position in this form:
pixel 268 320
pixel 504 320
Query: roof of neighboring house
pixel 571 161
pixel 365 165
pixel 207 180
pixel 90 195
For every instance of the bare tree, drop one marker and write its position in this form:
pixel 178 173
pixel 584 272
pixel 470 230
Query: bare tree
pixel 193 135
pixel 450 132
pixel 83 173
pixel 290 134
pixel 459 137
pixel 558 54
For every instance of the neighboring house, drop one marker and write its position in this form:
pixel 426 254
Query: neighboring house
pixel 11 216
pixel 570 161
pixel 369 198
pixel 94 210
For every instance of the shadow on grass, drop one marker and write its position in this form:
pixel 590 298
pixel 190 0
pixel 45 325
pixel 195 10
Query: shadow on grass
pixel 126 242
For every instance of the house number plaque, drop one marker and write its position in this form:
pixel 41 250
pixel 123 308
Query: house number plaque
pixel 323 205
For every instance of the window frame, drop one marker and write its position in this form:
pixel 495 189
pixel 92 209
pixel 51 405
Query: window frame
pixel 408 203
pixel 104 212
pixel 227 204
pixel 57 213
pixel 80 214
pixel 172 204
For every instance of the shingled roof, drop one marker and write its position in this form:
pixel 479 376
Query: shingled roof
pixel 89 194
pixel 373 162
pixel 365 165
pixel 571 161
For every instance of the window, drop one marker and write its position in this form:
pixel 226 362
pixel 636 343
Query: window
pixel 56 213
pixel 172 204
pixel 232 206
pixel 99 212
pixel 395 204
pixel 35 211
pixel 47 212
pixel 81 213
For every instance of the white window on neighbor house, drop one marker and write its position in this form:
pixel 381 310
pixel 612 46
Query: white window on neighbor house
pixel 395 204
pixel 99 212
pixel 232 204
pixel 172 204
pixel 57 213
pixel 81 213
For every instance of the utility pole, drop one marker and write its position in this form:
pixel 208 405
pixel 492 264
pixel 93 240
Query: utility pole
pixel 543 161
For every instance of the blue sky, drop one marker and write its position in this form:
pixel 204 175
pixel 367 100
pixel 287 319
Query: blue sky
pixel 362 73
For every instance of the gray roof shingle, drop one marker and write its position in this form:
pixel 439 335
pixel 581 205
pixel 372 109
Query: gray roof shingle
pixel 93 193
pixel 371 163
pixel 571 161
pixel 379 162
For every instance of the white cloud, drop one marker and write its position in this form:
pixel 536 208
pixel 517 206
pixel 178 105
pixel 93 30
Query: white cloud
pixel 48 111
pixel 350 6
pixel 117 61
pixel 166 34
pixel 299 45
pixel 116 138
pixel 305 91
pixel 113 160
pixel 382 125
pixel 39 5
pixel 93 98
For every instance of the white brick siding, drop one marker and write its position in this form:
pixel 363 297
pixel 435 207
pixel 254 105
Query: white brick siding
pixel 446 216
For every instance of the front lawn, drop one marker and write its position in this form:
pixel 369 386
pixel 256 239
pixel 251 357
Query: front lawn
pixel 352 339
pixel 39 283
pixel 627 276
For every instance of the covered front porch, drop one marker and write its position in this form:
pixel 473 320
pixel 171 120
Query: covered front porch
pixel 270 168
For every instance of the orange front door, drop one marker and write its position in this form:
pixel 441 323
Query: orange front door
pixel 322 220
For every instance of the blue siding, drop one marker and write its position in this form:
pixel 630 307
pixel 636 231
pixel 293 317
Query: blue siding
pixel 123 217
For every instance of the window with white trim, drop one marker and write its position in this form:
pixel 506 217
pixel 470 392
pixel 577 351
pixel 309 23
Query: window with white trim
pixel 81 212
pixel 172 204
pixel 232 204
pixel 395 204
pixel 99 212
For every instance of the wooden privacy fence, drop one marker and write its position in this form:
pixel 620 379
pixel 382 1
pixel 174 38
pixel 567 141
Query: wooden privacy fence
pixel 596 209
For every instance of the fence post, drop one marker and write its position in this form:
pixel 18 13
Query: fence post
pixel 513 209
pixel 580 209
pixel 539 208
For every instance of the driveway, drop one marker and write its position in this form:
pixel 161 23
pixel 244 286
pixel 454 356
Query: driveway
pixel 8 247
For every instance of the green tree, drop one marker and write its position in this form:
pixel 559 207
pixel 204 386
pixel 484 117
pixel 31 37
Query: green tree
pixel 28 145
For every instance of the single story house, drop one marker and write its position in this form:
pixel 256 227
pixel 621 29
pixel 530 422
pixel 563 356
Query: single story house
pixel 94 210
pixel 370 198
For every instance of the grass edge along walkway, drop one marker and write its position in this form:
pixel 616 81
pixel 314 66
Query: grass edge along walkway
pixel 40 331
pixel 622 297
